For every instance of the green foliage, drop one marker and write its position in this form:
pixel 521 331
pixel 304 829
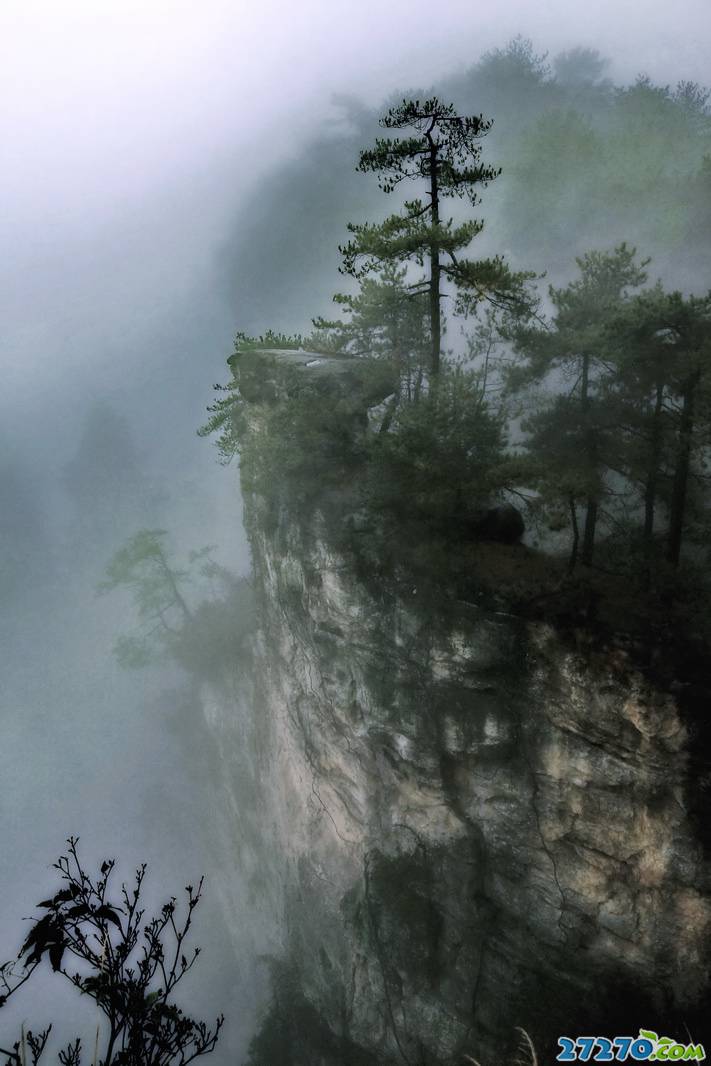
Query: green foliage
pixel 610 395
pixel 311 436
pixel 555 180
pixel 441 458
pixel 132 652
pixel 579 67
pixel 659 396
pixel 299 429
pixel 204 635
pixel 569 438
pixel 581 310
pixel 443 140
pixel 216 638
pixel 270 339
pixel 559 465
pixel 384 320
pixel 226 421
pixel 143 567
pixel 401 238
pixel 443 152
pixel 513 83
pixel 609 162
pixel 631 402
pixel 606 180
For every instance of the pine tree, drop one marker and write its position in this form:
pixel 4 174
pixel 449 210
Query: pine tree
pixel 443 151
pixel 638 397
pixel 574 356
pixel 383 320
pixel 687 321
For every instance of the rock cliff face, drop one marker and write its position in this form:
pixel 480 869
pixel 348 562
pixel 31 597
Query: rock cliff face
pixel 467 824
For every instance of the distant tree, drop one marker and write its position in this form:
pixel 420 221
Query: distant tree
pixel 573 356
pixel 204 631
pixel 144 568
pixel 518 62
pixel 579 67
pixel 693 98
pixel 558 186
pixel 442 151
pixel 656 137
pixel 514 81
pixel 484 342
pixel 129 965
pixel 599 160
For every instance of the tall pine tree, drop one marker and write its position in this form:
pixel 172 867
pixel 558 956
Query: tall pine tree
pixel 442 151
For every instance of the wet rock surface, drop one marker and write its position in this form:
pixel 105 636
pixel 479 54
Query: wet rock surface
pixel 476 827
pixel 465 823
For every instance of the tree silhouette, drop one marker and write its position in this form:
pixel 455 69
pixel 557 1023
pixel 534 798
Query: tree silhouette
pixel 129 965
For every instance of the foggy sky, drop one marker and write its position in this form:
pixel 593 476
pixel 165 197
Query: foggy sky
pixel 105 102
pixel 132 130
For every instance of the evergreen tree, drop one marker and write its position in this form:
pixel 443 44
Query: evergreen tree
pixel 383 320
pixel 661 389
pixel 638 396
pixel 144 568
pixel 442 150
pixel 443 459
pixel 687 321
pixel 513 82
pixel 575 354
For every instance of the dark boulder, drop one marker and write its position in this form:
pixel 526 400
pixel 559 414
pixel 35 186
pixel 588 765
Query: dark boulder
pixel 503 523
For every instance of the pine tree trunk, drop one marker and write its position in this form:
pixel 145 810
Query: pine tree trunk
pixel 589 531
pixel 170 578
pixel 681 470
pixel 435 270
pixel 650 488
pixel 591 459
pixel 576 535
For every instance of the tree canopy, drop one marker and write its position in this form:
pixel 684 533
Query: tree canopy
pixel 442 152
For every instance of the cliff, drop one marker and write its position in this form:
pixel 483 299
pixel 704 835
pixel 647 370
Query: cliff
pixel 467 821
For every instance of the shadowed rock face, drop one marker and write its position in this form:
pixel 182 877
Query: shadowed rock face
pixel 468 824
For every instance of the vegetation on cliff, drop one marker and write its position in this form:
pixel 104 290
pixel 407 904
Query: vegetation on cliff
pixel 198 614
pixel 583 403
pixel 586 405
pixel 586 162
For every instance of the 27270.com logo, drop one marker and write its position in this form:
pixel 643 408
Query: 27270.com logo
pixel 647 1047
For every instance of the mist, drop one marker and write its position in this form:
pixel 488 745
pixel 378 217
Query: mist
pixel 171 175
